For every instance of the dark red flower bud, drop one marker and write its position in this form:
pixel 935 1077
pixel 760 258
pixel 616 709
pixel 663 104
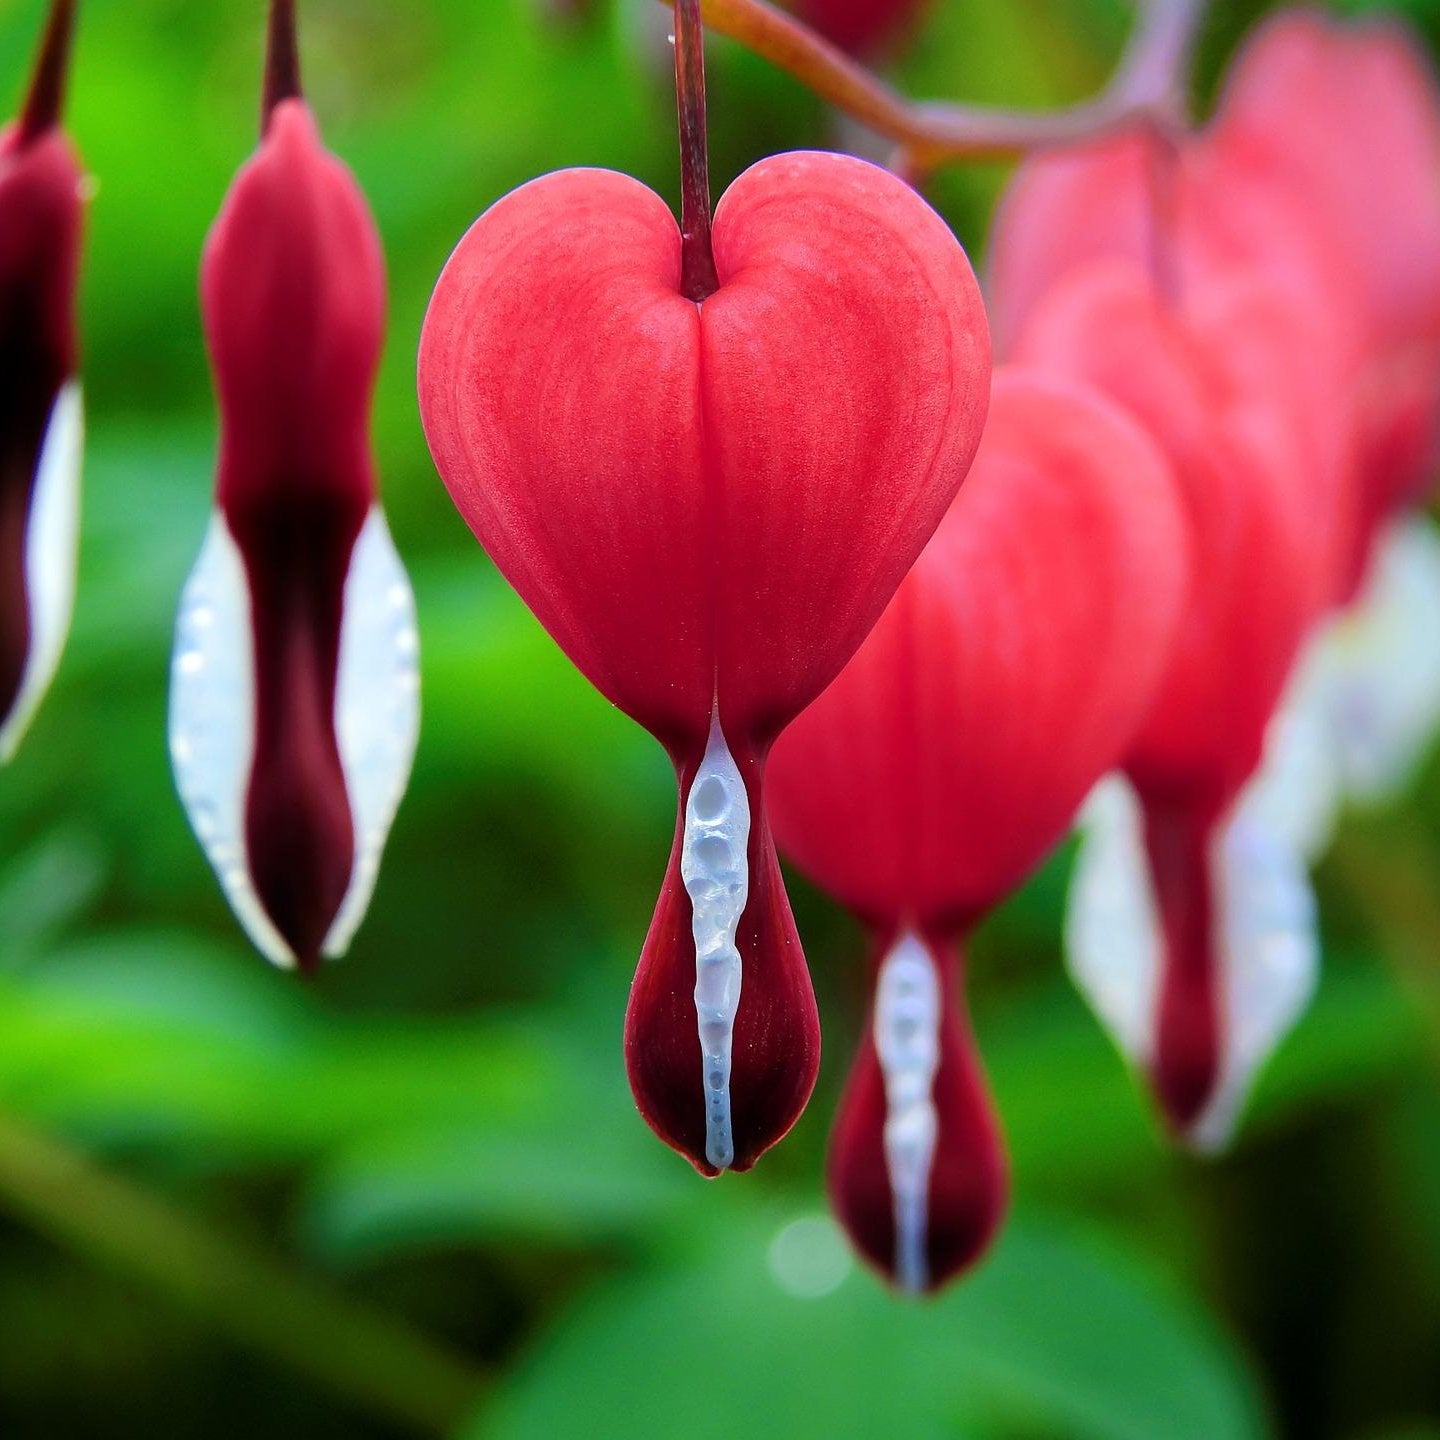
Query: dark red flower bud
pixel 295 701
pixel 917 1169
pixel 1009 672
pixel 41 200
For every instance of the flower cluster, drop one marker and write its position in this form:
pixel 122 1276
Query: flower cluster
pixel 725 463
pixel 1260 297
pixel 706 460
pixel 1260 294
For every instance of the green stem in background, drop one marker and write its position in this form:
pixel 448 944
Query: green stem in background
pixel 374 1361
pixel 698 279
pixel 1147 86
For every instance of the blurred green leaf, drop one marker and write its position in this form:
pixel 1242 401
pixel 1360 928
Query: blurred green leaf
pixel 1050 1337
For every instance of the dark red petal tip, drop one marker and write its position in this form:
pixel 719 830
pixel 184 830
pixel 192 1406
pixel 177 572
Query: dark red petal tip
pixel 299 831
pixel 1185 1071
pixel 917 1172
pixel 775 1047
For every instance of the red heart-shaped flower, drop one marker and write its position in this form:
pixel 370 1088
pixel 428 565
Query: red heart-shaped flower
pixel 708 505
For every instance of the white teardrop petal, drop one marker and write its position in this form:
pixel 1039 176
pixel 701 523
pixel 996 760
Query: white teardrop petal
pixel 1383 662
pixel 52 538
pixel 1269 954
pixel 377 708
pixel 212 724
pixel 906 1029
pixel 1296 793
pixel 1112 926
pixel 715 870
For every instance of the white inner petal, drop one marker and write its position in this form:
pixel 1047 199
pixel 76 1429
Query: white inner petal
pixel 714 866
pixel 1265 925
pixel 377 709
pixel 1295 794
pixel 1269 953
pixel 212 724
pixel 1382 662
pixel 52 538
pixel 906 1029
pixel 1112 926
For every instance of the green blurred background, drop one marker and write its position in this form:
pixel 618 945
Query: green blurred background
pixel 414 1197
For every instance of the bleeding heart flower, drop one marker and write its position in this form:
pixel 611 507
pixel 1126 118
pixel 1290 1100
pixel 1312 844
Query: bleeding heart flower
pixel 294 701
pixel 1345 119
pixel 1319 178
pixel 1217 385
pixel 1196 216
pixel 1191 211
pixel 1009 672
pixel 41 195
pixel 706 472
pixel 1373 674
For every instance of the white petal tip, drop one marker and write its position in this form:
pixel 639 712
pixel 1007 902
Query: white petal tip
pixel 212 702
pixel 714 867
pixel 52 552
pixel 212 705
pixel 1267 945
pixel 377 710
pixel 1381 662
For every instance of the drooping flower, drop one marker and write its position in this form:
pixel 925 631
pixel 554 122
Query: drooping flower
pixel 1217 382
pixel 1370 677
pixel 706 467
pixel 1319 181
pixel 1195 219
pixel 1008 673
pixel 41 202
pixel 294 699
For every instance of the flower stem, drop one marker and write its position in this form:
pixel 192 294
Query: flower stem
pixel 47 88
pixel 375 1361
pixel 1162 165
pixel 1146 85
pixel 697 259
pixel 282 60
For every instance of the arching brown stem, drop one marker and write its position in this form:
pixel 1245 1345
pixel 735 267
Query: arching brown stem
pixel 1162 164
pixel 697 260
pixel 1146 85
